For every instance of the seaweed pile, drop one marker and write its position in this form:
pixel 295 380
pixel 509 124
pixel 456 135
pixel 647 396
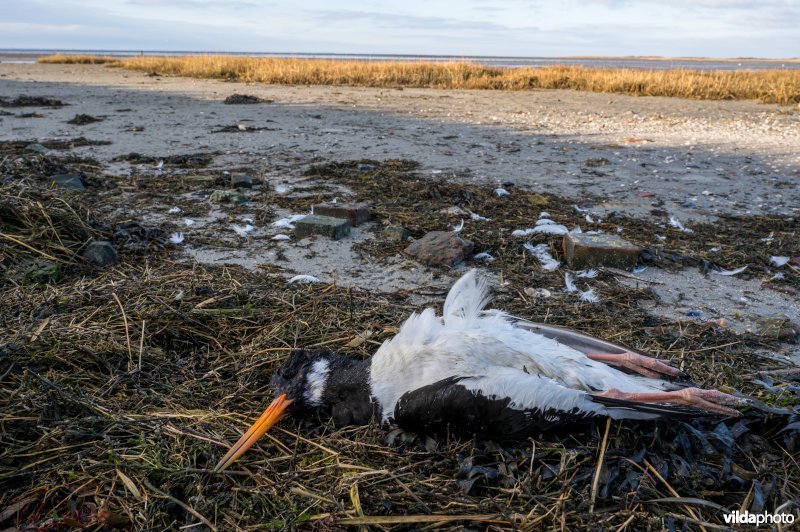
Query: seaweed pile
pixel 121 388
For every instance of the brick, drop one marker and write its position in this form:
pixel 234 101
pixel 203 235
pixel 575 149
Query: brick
pixel 588 251
pixel 314 224
pixel 357 213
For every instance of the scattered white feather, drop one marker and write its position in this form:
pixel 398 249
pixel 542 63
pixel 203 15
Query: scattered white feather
pixel 552 229
pixel 661 237
pixel 578 209
pixel 483 256
pixel 569 283
pixel 247 219
pixel 176 238
pixel 288 223
pixel 589 218
pixel 160 165
pixel 674 222
pixel 188 221
pixel 242 230
pixel 458 228
pixel 589 296
pixel 737 271
pixel 544 214
pixel 477 217
pixel 714 250
pixel 588 274
pixel 544 221
pixel 639 269
pixel 778 261
pixel 175 210
pixel 281 189
pixel 778 277
pixel 767 239
pixel 542 254
pixel 501 192
pixel 303 279
pixel 281 237
pixel 620 229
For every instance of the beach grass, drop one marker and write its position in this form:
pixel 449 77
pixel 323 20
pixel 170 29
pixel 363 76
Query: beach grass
pixel 767 86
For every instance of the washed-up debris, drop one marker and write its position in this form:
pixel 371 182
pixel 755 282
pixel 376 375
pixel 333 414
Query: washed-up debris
pixel 303 279
pixel 455 210
pixel 228 196
pixel 477 217
pixel 314 224
pixel 288 222
pixel 241 180
pixel 541 253
pixel 191 160
pixel 281 237
pixel 778 327
pixel 364 167
pixel 244 99
pixel 588 274
pixel 501 192
pixel 242 230
pixel 83 119
pixel 737 271
pixel 357 213
pixel 69 181
pixel 537 293
pixel 483 256
pixel 176 238
pixel 584 251
pixel 31 101
pixel 779 261
pixel 175 210
pixel 440 248
pixel 674 222
pixel 36 148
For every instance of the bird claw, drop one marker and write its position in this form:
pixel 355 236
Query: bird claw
pixel 708 400
pixel 643 365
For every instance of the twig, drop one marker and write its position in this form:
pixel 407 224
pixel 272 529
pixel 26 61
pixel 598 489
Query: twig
pixel 127 333
pixel 599 467
pixel 180 503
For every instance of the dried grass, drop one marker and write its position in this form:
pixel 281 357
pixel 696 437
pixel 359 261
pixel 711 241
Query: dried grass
pixel 768 86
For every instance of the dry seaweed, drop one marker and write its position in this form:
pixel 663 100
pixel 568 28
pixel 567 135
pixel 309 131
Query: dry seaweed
pixel 120 389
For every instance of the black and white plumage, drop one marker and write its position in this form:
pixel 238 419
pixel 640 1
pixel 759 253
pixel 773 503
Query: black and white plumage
pixel 472 371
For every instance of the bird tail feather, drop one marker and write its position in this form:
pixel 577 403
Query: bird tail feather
pixel 467 298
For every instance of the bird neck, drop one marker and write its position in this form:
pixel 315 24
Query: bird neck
pixel 347 391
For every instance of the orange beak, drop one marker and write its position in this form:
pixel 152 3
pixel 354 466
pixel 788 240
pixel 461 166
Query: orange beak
pixel 271 415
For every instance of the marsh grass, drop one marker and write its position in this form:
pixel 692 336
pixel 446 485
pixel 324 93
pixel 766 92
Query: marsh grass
pixel 768 86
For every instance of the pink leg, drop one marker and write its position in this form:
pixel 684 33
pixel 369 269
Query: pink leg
pixel 647 366
pixel 710 400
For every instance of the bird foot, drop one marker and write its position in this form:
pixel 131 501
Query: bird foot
pixel 709 400
pixel 643 365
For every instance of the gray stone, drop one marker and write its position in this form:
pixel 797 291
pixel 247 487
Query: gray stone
pixel 584 251
pixel 100 253
pixel 36 148
pixel 69 181
pixel 396 233
pixel 242 180
pixel 314 224
pixel 440 248
pixel 228 196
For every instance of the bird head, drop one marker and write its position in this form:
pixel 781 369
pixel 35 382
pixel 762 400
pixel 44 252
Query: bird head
pixel 311 382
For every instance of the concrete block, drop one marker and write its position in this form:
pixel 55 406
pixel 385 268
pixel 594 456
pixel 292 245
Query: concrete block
pixel 314 224
pixel 357 213
pixel 584 251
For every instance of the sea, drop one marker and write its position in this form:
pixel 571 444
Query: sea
pixel 22 56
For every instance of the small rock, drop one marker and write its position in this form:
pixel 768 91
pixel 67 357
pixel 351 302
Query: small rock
pixel 778 327
pixel 244 99
pixel 366 167
pixel 69 181
pixel 228 196
pixel 100 253
pixel 81 120
pixel 242 180
pixel 357 213
pixel 440 248
pixel 595 162
pixel 314 224
pixel 585 251
pixel 36 148
pixel 396 233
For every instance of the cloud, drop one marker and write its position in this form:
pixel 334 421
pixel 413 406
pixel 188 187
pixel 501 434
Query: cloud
pixel 400 21
pixel 197 4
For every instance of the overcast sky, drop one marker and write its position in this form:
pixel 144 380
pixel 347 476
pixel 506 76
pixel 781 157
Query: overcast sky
pixel 711 28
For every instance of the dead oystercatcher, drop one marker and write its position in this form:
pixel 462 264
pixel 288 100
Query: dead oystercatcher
pixel 477 372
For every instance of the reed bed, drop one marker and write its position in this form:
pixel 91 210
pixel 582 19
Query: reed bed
pixel 768 86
